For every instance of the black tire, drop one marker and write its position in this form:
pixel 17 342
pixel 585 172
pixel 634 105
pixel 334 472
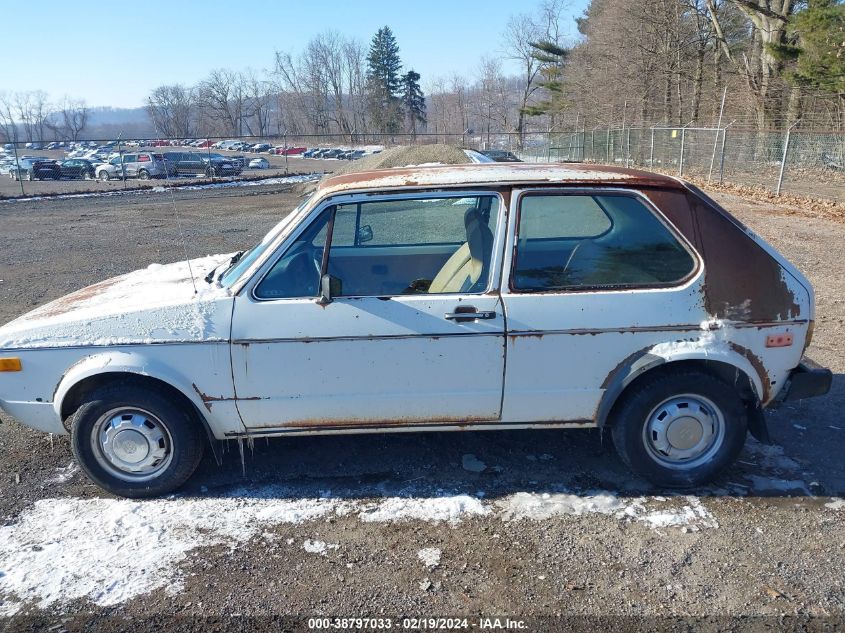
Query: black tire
pixel 632 412
pixel 29 176
pixel 143 175
pixel 187 438
pixel 104 176
pixel 209 173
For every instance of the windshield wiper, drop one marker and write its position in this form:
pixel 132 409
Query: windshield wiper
pixel 209 278
pixel 235 259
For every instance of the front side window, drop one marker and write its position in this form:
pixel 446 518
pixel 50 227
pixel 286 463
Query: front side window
pixel 391 247
pixel 607 240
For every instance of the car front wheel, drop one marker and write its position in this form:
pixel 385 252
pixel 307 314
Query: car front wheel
pixel 144 174
pixel 104 176
pixel 679 430
pixel 134 442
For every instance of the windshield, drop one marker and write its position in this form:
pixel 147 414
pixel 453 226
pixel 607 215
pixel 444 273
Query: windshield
pixel 246 260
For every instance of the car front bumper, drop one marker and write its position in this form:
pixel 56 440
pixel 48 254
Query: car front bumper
pixel 37 415
pixel 808 380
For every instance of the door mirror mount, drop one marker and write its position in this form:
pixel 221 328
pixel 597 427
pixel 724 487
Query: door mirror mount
pixel 365 234
pixel 330 287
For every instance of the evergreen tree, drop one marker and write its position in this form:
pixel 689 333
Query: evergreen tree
pixel 817 49
pixel 553 59
pixel 413 100
pixel 384 85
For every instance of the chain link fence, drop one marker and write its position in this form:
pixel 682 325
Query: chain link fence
pixel 799 162
pixel 803 163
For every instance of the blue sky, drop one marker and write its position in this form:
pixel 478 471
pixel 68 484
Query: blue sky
pixel 103 52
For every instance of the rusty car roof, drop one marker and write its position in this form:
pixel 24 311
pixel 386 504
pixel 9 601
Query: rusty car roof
pixel 494 174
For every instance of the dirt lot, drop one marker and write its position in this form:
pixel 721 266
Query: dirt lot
pixel 534 525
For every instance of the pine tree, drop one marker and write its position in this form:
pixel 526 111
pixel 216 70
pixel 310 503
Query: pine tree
pixel 818 51
pixel 413 100
pixel 384 84
pixel 553 59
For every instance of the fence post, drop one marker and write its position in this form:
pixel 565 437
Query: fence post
pixel 607 148
pixel 718 125
pixel 18 167
pixel 628 150
pixel 651 151
pixel 285 144
pixel 783 160
pixel 681 161
pixel 722 159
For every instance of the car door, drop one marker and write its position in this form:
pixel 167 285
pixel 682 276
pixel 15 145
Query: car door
pixel 130 165
pixel 594 277
pixel 413 333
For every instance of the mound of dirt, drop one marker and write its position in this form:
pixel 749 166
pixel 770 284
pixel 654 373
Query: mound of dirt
pixel 400 156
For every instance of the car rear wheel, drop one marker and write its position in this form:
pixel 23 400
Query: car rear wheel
pixel 29 176
pixel 135 442
pixel 104 176
pixel 209 173
pixel 144 174
pixel 679 430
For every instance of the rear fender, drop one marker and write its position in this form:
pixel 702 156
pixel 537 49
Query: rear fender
pixel 662 354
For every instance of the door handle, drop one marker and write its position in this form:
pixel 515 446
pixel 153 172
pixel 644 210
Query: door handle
pixel 463 314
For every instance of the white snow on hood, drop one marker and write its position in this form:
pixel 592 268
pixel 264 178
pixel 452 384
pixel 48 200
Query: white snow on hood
pixel 159 303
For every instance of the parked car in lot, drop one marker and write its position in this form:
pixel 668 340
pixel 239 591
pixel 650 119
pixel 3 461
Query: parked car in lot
pixel 527 296
pixel 260 147
pixel 78 168
pixel 197 164
pixel 144 165
pixel 259 163
pixel 309 153
pixel 501 156
pixel 35 169
pixel 288 151
pixel 110 170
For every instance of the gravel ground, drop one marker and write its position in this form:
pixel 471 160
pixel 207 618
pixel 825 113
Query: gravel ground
pixel 537 525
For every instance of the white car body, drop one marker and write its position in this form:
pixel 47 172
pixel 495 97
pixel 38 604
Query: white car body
pixel 259 163
pixel 259 367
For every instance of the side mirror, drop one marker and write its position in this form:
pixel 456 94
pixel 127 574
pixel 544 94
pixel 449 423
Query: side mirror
pixel 365 234
pixel 330 287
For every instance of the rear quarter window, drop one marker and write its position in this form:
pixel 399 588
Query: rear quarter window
pixel 594 241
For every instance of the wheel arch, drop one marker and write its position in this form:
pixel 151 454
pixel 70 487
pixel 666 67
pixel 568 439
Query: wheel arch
pixel 96 371
pixel 731 367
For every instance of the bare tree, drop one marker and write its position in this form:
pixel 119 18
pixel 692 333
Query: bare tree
pixel 224 96
pixel 173 110
pixel 759 66
pixel 522 31
pixel 8 125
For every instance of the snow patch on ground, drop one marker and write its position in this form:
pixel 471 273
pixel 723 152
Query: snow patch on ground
pixel 430 556
pixel 768 484
pixel 112 550
pixel 318 547
pixel 435 509
pixel 655 512
pixel 836 504
pixel 63 474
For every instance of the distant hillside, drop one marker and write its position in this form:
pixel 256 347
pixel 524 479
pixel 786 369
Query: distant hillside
pixel 108 123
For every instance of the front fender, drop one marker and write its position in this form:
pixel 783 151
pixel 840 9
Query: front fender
pixel 224 418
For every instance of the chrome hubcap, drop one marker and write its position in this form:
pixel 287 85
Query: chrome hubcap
pixel 132 444
pixel 684 431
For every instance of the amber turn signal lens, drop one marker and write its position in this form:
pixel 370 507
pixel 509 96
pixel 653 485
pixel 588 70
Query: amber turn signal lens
pixel 10 364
